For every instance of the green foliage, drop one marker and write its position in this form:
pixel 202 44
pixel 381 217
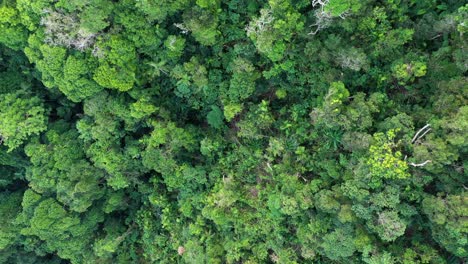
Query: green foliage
pixel 215 117
pixel 202 25
pixel 142 108
pixel 117 67
pixel 76 86
pixel 209 131
pixel 383 161
pixel 12 33
pixel 60 167
pixel 70 74
pixel 242 83
pixel 339 7
pixel 448 222
pixel 257 119
pixel 10 208
pixel 405 73
pixel 159 10
pixel 175 46
pixel 231 110
pixel 338 245
pixel 390 226
pixel 274 28
pixel 60 231
pixel 21 116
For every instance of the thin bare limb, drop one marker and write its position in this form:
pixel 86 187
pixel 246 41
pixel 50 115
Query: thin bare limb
pixel 419 131
pixel 423 134
pixel 322 3
pixel 437 36
pixel 420 164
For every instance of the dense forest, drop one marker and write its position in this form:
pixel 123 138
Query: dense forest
pixel 237 131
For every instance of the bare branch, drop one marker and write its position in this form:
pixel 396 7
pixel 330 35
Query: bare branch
pixel 260 24
pixel 322 3
pixel 323 21
pixel 420 164
pixel 344 15
pixel 182 27
pixel 437 36
pixel 422 135
pixel 63 29
pixel 419 131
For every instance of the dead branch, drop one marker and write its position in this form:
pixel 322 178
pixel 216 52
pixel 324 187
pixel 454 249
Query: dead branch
pixel 416 136
pixel 419 164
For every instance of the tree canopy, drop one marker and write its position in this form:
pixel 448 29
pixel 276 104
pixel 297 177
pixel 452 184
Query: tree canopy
pixel 212 131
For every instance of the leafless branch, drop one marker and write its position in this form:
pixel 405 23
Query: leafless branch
pixel 323 21
pixel 322 3
pixel 182 27
pixel 423 134
pixel 420 164
pixel 260 24
pixel 436 36
pixel 416 136
pixel 62 29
